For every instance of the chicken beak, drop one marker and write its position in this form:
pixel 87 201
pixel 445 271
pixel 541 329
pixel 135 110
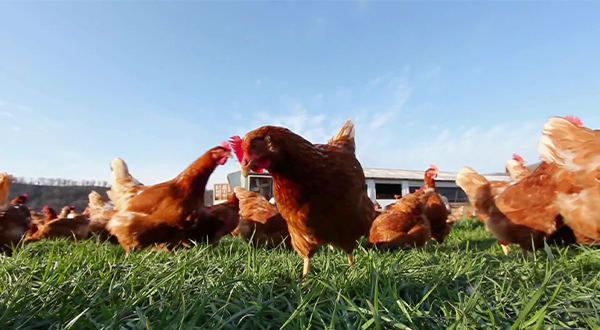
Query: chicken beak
pixel 245 171
pixel 247 166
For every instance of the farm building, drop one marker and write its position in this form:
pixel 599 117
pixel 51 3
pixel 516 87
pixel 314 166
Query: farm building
pixel 381 184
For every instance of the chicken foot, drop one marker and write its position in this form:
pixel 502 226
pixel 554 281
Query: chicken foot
pixel 350 259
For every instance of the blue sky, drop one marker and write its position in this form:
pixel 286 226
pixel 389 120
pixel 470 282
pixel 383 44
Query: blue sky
pixel 158 83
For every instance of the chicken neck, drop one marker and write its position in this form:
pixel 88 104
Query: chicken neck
pixel 194 178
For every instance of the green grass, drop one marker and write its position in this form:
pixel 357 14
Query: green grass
pixel 465 283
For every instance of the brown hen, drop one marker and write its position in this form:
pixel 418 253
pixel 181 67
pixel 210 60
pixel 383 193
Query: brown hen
pixel 160 214
pixel 523 212
pixel 76 228
pixel 14 222
pixel 260 221
pixel 404 223
pixel 216 221
pixel 575 151
pixel 319 188
pixel 436 210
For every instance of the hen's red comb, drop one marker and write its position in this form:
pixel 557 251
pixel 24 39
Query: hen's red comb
pixel 72 207
pixel 25 195
pixel 433 167
pixel 236 144
pixel 574 119
pixel 225 145
pixel 518 158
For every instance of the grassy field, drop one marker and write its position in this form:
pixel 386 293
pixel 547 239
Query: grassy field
pixel 465 283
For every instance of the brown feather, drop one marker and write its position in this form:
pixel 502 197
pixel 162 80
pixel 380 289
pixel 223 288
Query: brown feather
pixel 404 223
pixel 260 221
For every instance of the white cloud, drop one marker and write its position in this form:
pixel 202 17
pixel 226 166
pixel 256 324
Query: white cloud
pixel 24 107
pixel 376 81
pixel 2 103
pixel 486 149
pixel 431 72
pixel 16 129
pixel 342 95
pixel 317 120
pixel 317 100
pixel 6 114
pixel 380 119
pixel 258 82
pixel 400 97
pixel 444 135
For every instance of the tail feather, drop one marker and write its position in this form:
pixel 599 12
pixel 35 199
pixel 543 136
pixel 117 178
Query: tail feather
pixel 344 138
pixel 4 188
pixel 96 202
pixel 569 146
pixel 120 172
pixel 122 182
pixel 254 206
pixel 476 186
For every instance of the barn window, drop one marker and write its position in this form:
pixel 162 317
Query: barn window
pixel 454 194
pixel 262 185
pixel 387 191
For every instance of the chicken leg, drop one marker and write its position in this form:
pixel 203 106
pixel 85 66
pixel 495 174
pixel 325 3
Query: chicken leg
pixel 306 267
pixel 350 259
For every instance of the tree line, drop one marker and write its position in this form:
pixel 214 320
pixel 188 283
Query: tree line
pixel 59 182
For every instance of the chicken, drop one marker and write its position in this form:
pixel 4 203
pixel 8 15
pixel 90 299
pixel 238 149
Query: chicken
pixel 77 228
pixel 20 200
pixel 522 212
pixel 260 221
pixel 319 188
pixel 515 167
pixel 19 203
pixel 72 212
pixel 575 152
pixel 100 212
pixel 64 212
pixel 217 221
pixel 14 223
pixel 496 187
pixel 124 186
pixel 160 213
pixel 517 170
pixel 404 223
pixel 436 211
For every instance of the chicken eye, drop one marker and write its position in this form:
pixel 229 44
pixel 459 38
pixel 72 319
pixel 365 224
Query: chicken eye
pixel 253 147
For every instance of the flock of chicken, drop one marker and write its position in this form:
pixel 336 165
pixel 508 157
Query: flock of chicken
pixel 321 199
pixel 558 202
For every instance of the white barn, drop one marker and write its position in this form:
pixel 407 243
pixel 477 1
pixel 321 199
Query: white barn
pixel 381 184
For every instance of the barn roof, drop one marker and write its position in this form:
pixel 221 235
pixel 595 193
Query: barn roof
pixel 382 173
pixel 395 174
